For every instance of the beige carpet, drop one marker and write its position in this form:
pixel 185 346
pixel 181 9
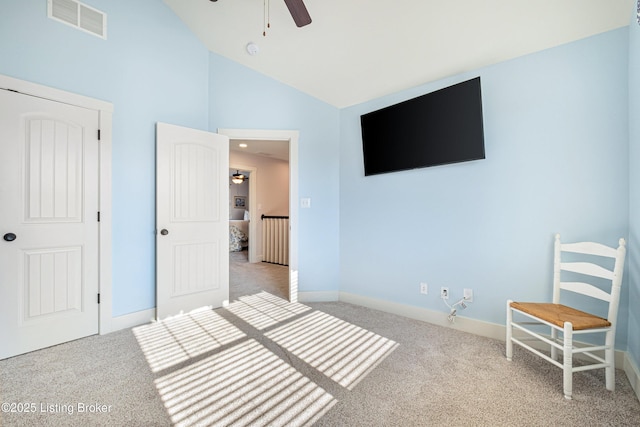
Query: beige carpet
pixel 264 361
pixel 249 278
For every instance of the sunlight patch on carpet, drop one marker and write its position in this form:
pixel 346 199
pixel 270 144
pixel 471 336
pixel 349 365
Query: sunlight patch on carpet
pixel 181 338
pixel 344 352
pixel 263 310
pixel 245 385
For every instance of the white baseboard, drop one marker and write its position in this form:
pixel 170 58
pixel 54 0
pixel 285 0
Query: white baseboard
pixel 465 324
pixel 321 296
pixel 633 373
pixel 130 320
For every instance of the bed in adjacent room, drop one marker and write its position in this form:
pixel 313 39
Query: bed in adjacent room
pixel 238 235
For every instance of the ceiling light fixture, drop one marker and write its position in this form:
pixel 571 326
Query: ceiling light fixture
pixel 242 145
pixel 238 178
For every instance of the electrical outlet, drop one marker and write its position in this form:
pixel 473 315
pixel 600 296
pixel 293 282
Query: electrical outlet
pixel 423 288
pixel 444 292
pixel 468 294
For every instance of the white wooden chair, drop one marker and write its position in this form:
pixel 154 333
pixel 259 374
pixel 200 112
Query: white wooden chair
pixel 570 323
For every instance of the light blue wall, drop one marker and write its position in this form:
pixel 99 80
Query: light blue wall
pixel 634 194
pixel 152 68
pixel 556 138
pixel 244 99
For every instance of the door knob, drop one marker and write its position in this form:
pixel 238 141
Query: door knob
pixel 164 231
pixel 9 237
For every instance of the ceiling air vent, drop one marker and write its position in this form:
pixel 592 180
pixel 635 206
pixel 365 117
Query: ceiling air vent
pixel 79 15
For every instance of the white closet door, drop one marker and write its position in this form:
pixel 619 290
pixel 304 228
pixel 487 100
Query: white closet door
pixel 48 223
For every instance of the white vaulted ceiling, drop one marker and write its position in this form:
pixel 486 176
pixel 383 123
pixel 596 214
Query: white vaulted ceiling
pixel 358 50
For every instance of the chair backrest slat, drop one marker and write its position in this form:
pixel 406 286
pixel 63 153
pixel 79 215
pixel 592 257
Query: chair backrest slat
pixel 586 289
pixel 587 268
pixel 589 248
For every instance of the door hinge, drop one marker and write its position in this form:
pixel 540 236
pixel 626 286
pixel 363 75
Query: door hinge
pixel 98 298
pixel 98 134
pixel 98 216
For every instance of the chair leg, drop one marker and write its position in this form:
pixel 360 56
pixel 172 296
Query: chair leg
pixel 509 331
pixel 567 366
pixel 609 357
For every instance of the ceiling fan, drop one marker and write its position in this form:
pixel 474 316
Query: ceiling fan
pixel 298 12
pixel 238 178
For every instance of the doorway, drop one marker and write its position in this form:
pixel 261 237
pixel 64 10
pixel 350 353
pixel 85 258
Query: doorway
pixel 242 200
pixel 268 138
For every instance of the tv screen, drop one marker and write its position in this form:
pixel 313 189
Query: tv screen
pixel 438 128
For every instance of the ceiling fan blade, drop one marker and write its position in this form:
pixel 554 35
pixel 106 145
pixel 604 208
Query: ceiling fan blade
pixel 298 12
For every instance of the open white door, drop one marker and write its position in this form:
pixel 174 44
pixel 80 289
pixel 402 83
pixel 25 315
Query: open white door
pixel 48 223
pixel 192 213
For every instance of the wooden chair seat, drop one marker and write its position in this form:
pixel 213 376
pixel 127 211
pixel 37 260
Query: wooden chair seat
pixel 558 314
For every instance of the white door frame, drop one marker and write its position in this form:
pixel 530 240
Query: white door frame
pixel 105 113
pixel 280 135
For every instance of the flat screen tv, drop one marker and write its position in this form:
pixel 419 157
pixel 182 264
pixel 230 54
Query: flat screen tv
pixel 438 128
